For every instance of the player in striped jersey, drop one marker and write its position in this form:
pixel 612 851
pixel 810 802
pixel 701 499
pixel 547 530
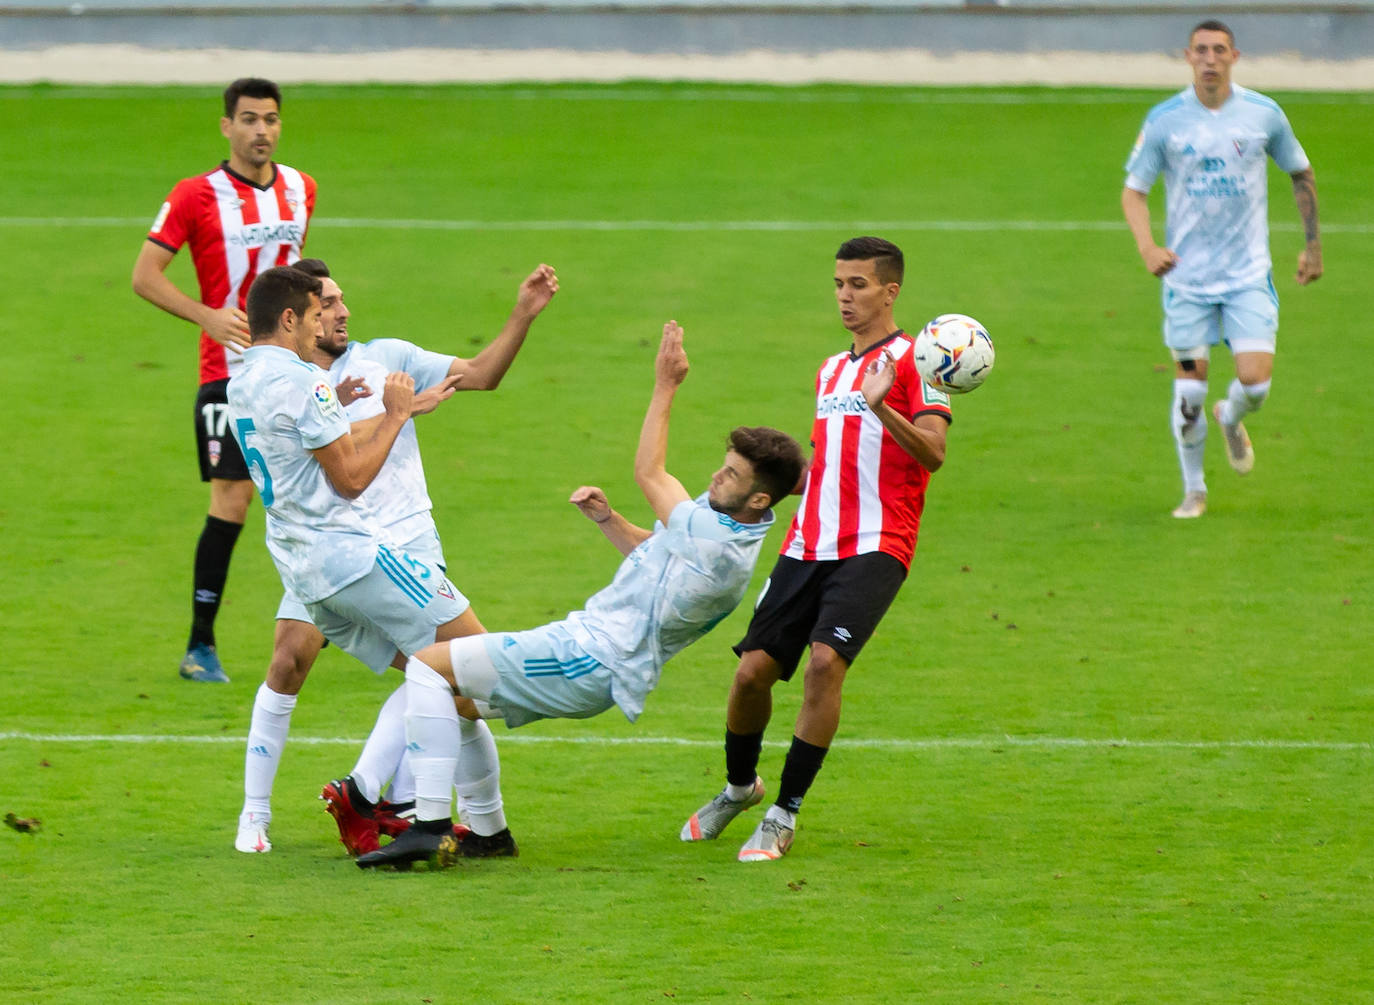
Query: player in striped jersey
pixel 879 433
pixel 246 216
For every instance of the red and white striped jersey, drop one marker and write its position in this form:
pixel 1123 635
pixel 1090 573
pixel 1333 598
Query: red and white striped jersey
pixel 863 492
pixel 236 229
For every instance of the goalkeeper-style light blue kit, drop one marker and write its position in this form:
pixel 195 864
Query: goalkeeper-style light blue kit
pixel 1215 175
pixel 671 590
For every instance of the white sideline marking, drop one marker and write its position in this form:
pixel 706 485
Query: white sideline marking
pixel 679 226
pixel 932 743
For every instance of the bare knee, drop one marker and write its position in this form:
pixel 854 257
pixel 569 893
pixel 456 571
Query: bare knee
pixel 756 674
pixel 295 645
pixel 824 675
pixel 229 500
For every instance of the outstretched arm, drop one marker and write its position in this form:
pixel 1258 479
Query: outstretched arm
pixel 1310 258
pixel 662 490
pixel 484 371
pixel 619 531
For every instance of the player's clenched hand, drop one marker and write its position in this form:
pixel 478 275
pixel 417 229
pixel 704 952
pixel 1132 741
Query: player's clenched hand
pixel 398 394
pixel 878 379
pixel 350 389
pixel 1159 260
pixel 670 367
pixel 592 502
pixel 428 400
pixel 1309 265
pixel 229 327
pixel 537 290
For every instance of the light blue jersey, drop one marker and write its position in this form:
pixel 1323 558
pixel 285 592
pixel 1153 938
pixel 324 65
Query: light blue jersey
pixel 399 496
pixel 670 591
pixel 1216 186
pixel 281 408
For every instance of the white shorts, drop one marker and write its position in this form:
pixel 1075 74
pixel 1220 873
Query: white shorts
pixel 396 606
pixel 1246 320
pixel 424 546
pixel 524 676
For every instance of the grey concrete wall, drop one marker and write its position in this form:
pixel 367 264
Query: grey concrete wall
pixel 1311 30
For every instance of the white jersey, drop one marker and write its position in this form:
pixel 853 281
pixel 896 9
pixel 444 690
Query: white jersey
pixel 399 496
pixel 281 408
pixel 1216 186
pixel 670 591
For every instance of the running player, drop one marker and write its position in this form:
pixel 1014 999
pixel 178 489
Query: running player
pixel 879 433
pixel 246 215
pixel 1212 142
pixel 400 503
pixel 675 584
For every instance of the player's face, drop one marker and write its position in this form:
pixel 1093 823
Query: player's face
pixel 252 132
pixel 732 485
pixel 334 320
pixel 307 331
pixel 865 302
pixel 1211 55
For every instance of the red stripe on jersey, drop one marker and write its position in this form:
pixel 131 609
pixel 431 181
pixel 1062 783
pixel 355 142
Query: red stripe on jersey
pixel 863 492
pixel 218 214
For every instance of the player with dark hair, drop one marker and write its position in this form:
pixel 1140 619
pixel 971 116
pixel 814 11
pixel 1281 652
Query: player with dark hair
pixel 399 502
pixel 246 216
pixel 879 433
pixel 1213 142
pixel 676 583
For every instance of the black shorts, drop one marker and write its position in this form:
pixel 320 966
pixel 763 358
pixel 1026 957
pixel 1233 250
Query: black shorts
pixel 219 452
pixel 839 603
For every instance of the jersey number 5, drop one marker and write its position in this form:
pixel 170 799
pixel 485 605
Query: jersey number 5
pixel 257 464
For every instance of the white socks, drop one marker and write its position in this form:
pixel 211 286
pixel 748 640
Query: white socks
pixel 266 737
pixel 1242 399
pixel 478 778
pixel 432 739
pixel 384 747
pixel 1188 418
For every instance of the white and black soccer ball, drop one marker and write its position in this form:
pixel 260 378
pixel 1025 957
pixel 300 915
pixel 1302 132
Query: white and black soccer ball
pixel 954 353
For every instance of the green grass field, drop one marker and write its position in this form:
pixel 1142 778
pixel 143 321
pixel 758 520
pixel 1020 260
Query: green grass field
pixel 1093 754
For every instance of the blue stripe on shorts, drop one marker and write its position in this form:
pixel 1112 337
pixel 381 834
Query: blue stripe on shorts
pixel 403 579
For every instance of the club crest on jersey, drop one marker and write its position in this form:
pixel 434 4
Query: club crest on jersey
pixel 1240 144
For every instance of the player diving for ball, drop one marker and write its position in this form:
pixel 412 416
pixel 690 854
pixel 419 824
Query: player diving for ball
pixel 398 501
pixel 675 584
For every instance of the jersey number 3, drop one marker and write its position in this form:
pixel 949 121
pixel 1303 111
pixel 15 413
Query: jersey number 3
pixel 257 464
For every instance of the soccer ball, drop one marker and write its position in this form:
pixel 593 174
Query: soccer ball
pixel 954 353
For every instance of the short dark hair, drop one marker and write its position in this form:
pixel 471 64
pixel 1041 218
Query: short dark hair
pixel 312 267
pixel 1212 24
pixel 274 292
pixel 887 257
pixel 249 87
pixel 777 459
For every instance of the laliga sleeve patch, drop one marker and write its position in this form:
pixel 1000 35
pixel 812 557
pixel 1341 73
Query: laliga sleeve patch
pixel 161 217
pixel 325 401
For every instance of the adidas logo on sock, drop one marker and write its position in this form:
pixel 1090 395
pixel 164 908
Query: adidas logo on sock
pixel 260 751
